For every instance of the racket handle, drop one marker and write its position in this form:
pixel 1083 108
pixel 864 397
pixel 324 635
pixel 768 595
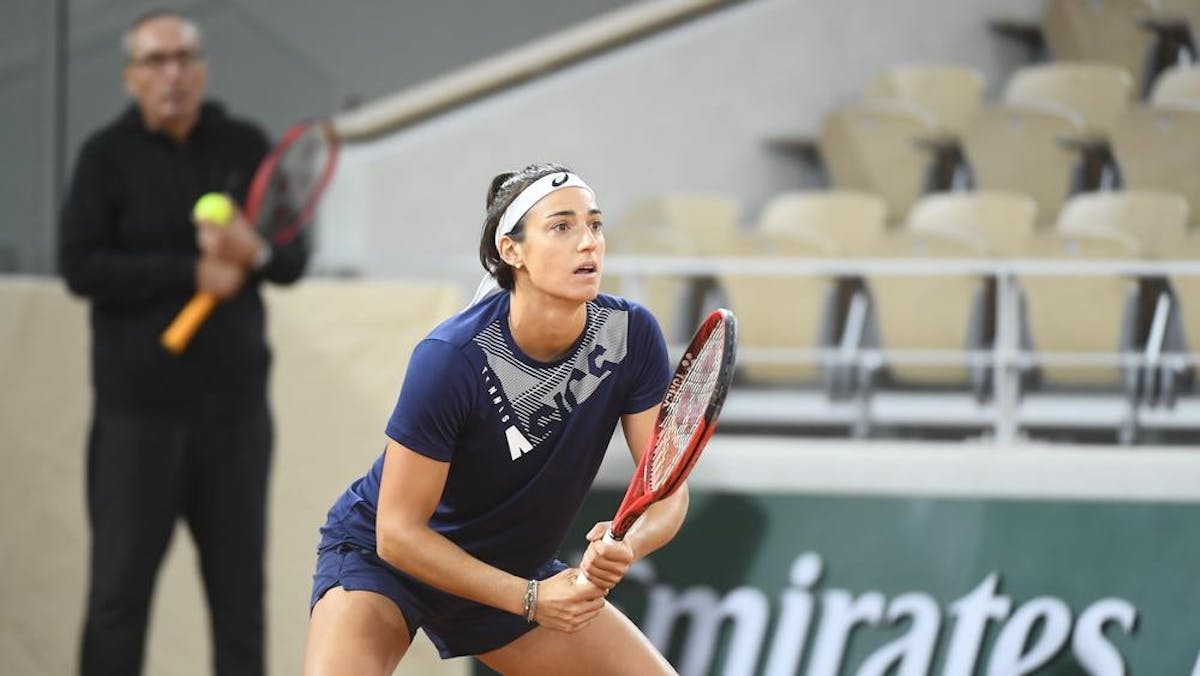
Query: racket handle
pixel 582 578
pixel 183 328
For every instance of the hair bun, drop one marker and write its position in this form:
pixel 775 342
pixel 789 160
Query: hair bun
pixel 494 188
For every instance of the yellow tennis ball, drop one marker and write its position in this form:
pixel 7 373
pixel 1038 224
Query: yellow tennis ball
pixel 214 207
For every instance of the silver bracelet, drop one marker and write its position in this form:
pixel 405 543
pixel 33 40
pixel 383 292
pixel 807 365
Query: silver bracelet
pixel 531 590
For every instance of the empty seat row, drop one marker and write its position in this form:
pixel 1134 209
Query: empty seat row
pixel 1140 36
pixel 1059 129
pixel 1096 313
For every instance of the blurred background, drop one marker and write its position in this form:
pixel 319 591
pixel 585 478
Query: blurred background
pixel 961 238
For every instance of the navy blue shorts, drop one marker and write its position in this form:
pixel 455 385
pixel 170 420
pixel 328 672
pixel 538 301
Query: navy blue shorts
pixel 457 626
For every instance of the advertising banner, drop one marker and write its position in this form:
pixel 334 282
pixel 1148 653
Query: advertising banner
pixel 780 584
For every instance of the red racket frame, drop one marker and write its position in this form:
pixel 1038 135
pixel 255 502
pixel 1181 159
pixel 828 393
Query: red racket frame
pixel 640 494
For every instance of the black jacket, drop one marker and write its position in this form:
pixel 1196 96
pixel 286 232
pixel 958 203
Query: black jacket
pixel 127 244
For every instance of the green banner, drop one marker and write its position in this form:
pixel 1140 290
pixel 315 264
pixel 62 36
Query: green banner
pixel 781 584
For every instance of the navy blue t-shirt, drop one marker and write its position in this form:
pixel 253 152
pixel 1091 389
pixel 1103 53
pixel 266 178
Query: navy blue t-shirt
pixel 524 438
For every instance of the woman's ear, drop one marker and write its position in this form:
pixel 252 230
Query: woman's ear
pixel 511 253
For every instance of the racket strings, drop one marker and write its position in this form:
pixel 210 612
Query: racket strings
pixel 300 169
pixel 688 408
pixel 303 164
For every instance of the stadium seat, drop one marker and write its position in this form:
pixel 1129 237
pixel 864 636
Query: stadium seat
pixel 1110 31
pixel 1099 92
pixel 1093 313
pixel 1186 12
pixel 672 225
pixel 934 312
pixel 1019 147
pixel 952 93
pixel 1156 219
pixel 1158 222
pixel 1180 84
pixel 782 312
pixel 1183 331
pixel 801 224
pixel 704 223
pixel 1004 219
pixel 1176 27
pixel 850 220
pixel 1158 148
pixel 876 146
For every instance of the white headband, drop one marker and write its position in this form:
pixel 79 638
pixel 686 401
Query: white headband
pixel 523 202
pixel 531 195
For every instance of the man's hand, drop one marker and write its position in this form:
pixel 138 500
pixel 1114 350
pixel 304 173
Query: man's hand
pixel 219 277
pixel 236 242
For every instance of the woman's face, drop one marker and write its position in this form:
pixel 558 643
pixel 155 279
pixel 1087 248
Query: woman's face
pixel 563 250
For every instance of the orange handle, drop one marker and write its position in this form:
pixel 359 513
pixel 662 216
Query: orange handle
pixel 187 322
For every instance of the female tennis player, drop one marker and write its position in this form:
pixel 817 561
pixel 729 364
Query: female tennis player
pixel 500 427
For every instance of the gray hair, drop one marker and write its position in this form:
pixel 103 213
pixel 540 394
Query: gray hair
pixel 128 36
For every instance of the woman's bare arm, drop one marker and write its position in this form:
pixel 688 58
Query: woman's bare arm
pixel 409 492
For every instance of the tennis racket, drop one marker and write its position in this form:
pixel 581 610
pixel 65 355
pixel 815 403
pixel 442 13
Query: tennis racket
pixel 283 196
pixel 686 421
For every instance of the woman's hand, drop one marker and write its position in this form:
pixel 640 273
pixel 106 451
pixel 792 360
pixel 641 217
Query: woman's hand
pixel 565 606
pixel 606 561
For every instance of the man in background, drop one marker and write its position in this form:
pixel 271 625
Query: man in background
pixel 172 436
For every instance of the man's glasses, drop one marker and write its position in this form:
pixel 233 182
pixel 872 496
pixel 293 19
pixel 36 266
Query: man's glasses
pixel 158 61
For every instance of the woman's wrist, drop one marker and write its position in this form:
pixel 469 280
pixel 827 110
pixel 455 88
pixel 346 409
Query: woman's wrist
pixel 529 604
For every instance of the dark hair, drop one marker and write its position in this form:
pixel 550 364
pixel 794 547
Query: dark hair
pixel 503 190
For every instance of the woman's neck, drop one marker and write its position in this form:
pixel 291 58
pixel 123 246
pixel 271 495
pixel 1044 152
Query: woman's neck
pixel 545 328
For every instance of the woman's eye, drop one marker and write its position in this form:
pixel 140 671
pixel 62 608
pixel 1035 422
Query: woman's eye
pixel 596 225
pixel 560 227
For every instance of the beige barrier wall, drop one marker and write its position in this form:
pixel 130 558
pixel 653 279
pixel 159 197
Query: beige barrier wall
pixel 341 349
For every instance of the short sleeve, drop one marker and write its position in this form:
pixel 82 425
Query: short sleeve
pixel 652 367
pixel 435 400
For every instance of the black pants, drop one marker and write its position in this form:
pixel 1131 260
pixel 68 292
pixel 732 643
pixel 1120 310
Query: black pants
pixel 145 472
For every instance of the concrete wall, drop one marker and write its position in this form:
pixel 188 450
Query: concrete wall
pixel 341 351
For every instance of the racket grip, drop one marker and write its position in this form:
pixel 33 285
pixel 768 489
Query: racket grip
pixel 582 578
pixel 183 328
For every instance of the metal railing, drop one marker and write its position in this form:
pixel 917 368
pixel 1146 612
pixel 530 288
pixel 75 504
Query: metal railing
pixel 1006 358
